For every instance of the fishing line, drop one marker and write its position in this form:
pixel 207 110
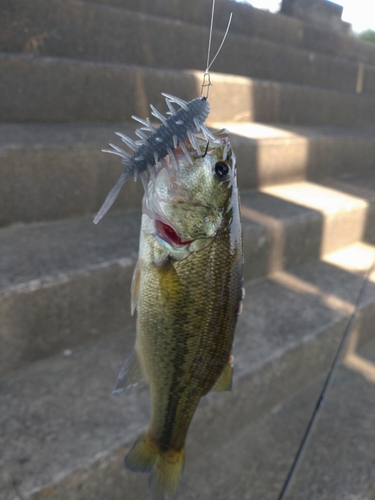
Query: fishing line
pixel 206 77
pixel 324 392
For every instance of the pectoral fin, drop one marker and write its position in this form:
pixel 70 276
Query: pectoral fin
pixel 134 289
pixel 224 382
pixel 131 375
pixel 170 286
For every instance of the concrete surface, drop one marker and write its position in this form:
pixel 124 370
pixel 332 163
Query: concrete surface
pixel 319 12
pixel 83 272
pixel 47 89
pixel 246 19
pixel 55 172
pixel 69 438
pixel 339 460
pixel 50 172
pixel 65 327
pixel 63 284
pixel 93 32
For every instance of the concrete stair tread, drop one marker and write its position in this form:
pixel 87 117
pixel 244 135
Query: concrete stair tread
pixel 280 29
pixel 43 135
pixel 95 32
pixel 37 135
pixel 57 171
pixel 343 207
pixel 34 251
pixel 339 460
pixel 63 90
pixel 71 74
pixel 266 131
pixel 43 252
pixel 322 197
pixel 60 423
pixel 73 262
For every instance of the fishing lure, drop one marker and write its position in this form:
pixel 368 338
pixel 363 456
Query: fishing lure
pixel 149 150
pixel 182 124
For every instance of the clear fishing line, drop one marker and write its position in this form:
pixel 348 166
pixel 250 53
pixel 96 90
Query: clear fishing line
pixel 206 77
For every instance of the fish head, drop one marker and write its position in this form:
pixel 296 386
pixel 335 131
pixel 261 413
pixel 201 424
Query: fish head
pixel 193 199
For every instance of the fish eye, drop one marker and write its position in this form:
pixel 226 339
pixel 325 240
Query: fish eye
pixel 221 169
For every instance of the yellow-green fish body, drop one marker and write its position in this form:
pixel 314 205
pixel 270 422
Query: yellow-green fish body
pixel 187 289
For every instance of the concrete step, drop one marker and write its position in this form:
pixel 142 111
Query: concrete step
pixel 65 438
pixel 339 460
pixel 46 89
pixel 19 21
pixel 57 171
pixel 260 23
pixel 87 31
pixel 64 283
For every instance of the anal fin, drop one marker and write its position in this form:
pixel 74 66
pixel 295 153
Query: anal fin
pixel 131 375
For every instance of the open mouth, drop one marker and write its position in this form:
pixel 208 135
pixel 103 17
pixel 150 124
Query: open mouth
pixel 168 234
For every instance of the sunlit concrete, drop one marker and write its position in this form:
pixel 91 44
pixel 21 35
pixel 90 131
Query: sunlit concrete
pixel 277 227
pixel 232 95
pixel 344 215
pixel 356 258
pixel 254 130
pixel 299 285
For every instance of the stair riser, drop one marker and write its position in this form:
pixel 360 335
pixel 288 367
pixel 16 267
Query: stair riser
pixel 286 337
pixel 218 419
pixel 57 182
pixel 50 184
pixel 51 90
pixel 83 31
pixel 58 316
pixel 41 319
pixel 280 29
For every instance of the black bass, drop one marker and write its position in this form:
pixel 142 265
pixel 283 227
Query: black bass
pixel 187 288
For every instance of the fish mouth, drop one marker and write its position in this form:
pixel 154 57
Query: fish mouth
pixel 169 235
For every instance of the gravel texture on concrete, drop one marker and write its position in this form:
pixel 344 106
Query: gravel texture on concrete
pixel 281 29
pixel 339 461
pixel 64 90
pixel 83 30
pixel 61 427
pixel 83 272
pixel 51 172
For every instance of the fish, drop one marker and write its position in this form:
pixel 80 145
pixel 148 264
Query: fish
pixel 187 289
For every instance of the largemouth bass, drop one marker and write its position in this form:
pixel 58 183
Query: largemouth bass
pixel 187 288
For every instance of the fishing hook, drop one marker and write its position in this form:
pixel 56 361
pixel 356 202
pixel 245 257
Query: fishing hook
pixel 206 151
pixel 206 77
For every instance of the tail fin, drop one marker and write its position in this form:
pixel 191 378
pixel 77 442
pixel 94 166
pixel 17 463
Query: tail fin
pixel 165 467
